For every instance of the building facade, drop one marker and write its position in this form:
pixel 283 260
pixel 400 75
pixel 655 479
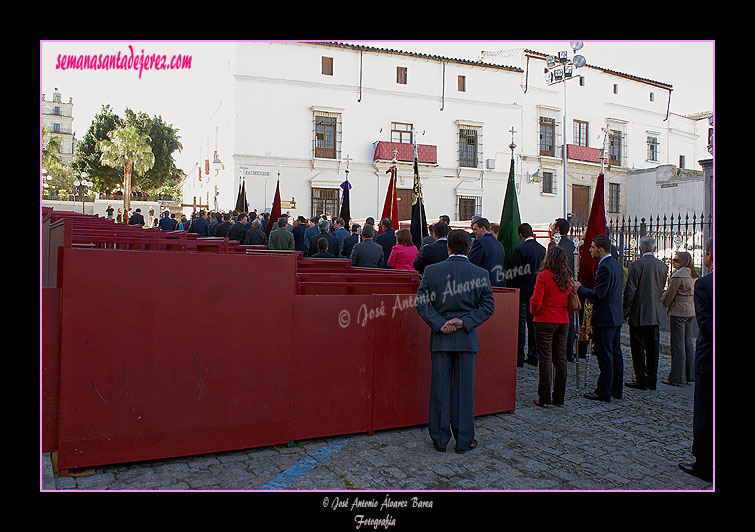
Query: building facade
pixel 301 114
pixel 57 117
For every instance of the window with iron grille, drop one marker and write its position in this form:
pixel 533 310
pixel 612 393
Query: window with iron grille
pixel 652 149
pixel 614 147
pixel 614 191
pixel 547 133
pixel 401 132
pixel 468 206
pixel 468 146
pixel 401 75
pixel 681 161
pixel 326 135
pixel 548 183
pixel 327 66
pixel 580 133
pixel 324 201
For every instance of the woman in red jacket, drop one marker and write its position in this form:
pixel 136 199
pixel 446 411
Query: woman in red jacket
pixel 404 252
pixel 549 307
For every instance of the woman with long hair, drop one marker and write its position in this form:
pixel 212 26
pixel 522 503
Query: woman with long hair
pixel 404 252
pixel 679 300
pixel 549 307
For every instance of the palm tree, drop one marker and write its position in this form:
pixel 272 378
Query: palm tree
pixel 51 150
pixel 129 149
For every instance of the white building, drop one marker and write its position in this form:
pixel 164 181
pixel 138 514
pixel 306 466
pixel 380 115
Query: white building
pixel 306 111
pixel 57 117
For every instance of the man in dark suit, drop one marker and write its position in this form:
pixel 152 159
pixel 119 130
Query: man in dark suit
pixel 642 310
pixel 436 252
pixel 367 253
pixel 606 320
pixel 324 227
pixel 311 231
pixel 429 240
pixel 454 298
pixel 371 222
pixel 341 234
pixel 167 223
pixel 255 236
pixel 298 231
pixel 487 252
pixel 350 241
pixel 387 238
pixel 524 267
pixel 222 228
pixel 200 225
pixel 560 230
pixel 322 250
pixel 136 218
pixel 238 230
pixel 702 420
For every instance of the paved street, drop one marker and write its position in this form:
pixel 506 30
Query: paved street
pixel 629 444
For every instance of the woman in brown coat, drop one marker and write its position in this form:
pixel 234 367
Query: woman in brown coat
pixel 679 300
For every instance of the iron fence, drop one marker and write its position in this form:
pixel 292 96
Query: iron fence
pixel 672 233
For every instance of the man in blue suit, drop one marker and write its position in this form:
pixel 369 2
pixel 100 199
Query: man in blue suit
pixel 435 252
pixel 167 223
pixel 200 225
pixel 702 420
pixel 607 317
pixel 387 239
pixel 487 252
pixel 454 298
pixel 524 267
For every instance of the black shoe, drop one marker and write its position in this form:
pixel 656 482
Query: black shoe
pixel 569 358
pixel 595 397
pixel 531 362
pixel 693 470
pixel 439 449
pixel 520 364
pixel 472 445
pixel 636 385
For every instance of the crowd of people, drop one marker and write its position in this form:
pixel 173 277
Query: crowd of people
pixel 545 277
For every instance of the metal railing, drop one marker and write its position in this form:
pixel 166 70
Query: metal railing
pixel 672 233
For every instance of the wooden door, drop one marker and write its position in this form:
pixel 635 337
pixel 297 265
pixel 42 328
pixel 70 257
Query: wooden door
pixel 404 204
pixel 580 204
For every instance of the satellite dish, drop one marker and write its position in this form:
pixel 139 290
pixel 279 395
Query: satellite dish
pixel 579 61
pixel 576 45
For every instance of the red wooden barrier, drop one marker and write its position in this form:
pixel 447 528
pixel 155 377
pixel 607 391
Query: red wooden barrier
pixel 126 380
pixel 50 365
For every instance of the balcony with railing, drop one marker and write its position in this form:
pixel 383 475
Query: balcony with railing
pixel 426 153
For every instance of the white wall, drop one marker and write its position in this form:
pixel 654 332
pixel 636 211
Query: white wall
pixel 266 124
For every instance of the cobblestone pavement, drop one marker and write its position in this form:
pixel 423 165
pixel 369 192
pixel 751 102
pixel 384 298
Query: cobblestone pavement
pixel 629 444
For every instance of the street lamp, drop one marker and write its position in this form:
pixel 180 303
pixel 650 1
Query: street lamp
pixel 559 68
pixel 82 185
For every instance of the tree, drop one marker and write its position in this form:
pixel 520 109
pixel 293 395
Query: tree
pixel 88 151
pixel 130 150
pixel 164 140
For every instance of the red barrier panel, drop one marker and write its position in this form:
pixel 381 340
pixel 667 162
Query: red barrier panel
pixel 50 365
pixel 138 382
pixel 402 363
pixel 403 367
pixel 331 377
pixel 495 372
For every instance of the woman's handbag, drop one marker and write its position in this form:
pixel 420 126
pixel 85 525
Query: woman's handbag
pixel 574 303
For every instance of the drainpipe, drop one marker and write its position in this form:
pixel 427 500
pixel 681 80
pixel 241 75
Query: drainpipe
pixel 668 106
pixel 443 90
pixel 360 75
